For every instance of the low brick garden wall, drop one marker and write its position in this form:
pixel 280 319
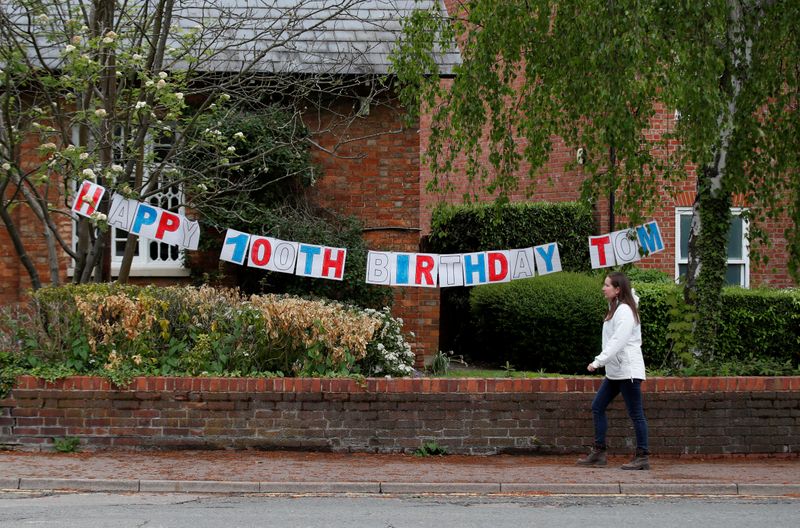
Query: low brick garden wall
pixel 473 416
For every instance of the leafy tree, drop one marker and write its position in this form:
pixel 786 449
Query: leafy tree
pixel 114 91
pixel 595 72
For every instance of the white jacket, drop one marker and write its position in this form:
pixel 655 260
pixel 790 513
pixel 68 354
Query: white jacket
pixel 622 346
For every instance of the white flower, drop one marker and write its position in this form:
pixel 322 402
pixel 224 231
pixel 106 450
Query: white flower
pixel 107 40
pixel 97 215
pixel 149 83
pixel 116 168
pixel 161 83
pixel 6 166
pixel 140 104
pixel 84 155
pixel 162 75
pixel 239 135
pixel 89 173
pixel 43 18
pixel 179 96
pixel 49 146
pixel 76 39
pixel 69 48
pixel 100 112
pixel 224 97
pixel 202 187
pixel 136 57
pixel 231 149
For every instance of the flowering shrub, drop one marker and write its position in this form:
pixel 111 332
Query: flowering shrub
pixel 122 331
pixel 388 353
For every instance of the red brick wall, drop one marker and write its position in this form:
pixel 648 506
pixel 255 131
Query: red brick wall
pixel 474 416
pixel 377 179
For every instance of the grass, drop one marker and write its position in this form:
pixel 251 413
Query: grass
pixel 478 372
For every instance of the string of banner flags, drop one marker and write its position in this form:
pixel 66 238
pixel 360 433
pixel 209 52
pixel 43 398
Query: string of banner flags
pixel 427 270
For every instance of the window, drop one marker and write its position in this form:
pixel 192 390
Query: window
pixel 151 258
pixel 738 265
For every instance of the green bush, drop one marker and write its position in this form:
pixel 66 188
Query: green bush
pixel 554 323
pixel 764 322
pixel 550 322
pixel 482 227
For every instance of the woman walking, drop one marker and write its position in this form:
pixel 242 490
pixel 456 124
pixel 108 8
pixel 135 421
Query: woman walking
pixel 622 358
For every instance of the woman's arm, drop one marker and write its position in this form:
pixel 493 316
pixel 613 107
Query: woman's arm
pixel 624 324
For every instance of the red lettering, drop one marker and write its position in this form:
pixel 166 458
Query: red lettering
pixel 600 243
pixel 168 222
pixel 497 273
pixel 337 263
pixel 423 274
pixel 260 252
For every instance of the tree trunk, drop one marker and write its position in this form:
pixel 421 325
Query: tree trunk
pixel 708 241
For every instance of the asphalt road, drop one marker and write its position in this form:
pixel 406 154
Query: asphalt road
pixel 137 510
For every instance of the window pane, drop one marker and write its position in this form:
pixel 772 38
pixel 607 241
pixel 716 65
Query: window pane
pixel 682 270
pixel 686 226
pixel 734 274
pixel 735 235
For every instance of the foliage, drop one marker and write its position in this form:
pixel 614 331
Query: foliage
pixel 548 322
pixel 595 74
pixel 275 162
pixel 440 364
pixel 648 275
pixel 68 444
pixel 388 354
pixel 430 448
pixel 758 331
pixel 124 331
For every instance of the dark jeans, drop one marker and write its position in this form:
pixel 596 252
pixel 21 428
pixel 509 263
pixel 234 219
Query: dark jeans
pixel 632 394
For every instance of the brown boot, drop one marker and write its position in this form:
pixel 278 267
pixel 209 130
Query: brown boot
pixel 595 458
pixel 640 460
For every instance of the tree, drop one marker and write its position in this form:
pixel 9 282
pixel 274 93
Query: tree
pixel 593 72
pixel 114 91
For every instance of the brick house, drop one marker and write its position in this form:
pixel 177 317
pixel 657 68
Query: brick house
pixel 378 177
pixel 370 164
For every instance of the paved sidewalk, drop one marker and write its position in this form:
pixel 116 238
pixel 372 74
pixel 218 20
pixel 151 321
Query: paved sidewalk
pixel 297 472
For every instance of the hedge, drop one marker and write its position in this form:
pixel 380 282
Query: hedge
pixel 549 322
pixel 757 323
pixel 553 323
pixel 481 227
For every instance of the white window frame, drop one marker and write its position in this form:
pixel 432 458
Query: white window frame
pixel 684 259
pixel 142 265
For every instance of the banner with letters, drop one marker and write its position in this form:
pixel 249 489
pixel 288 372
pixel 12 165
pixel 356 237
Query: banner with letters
pixel 388 268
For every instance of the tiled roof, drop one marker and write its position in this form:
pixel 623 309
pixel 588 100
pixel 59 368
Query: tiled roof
pixel 297 36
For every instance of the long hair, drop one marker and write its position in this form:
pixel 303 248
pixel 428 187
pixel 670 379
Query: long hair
pixel 625 295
